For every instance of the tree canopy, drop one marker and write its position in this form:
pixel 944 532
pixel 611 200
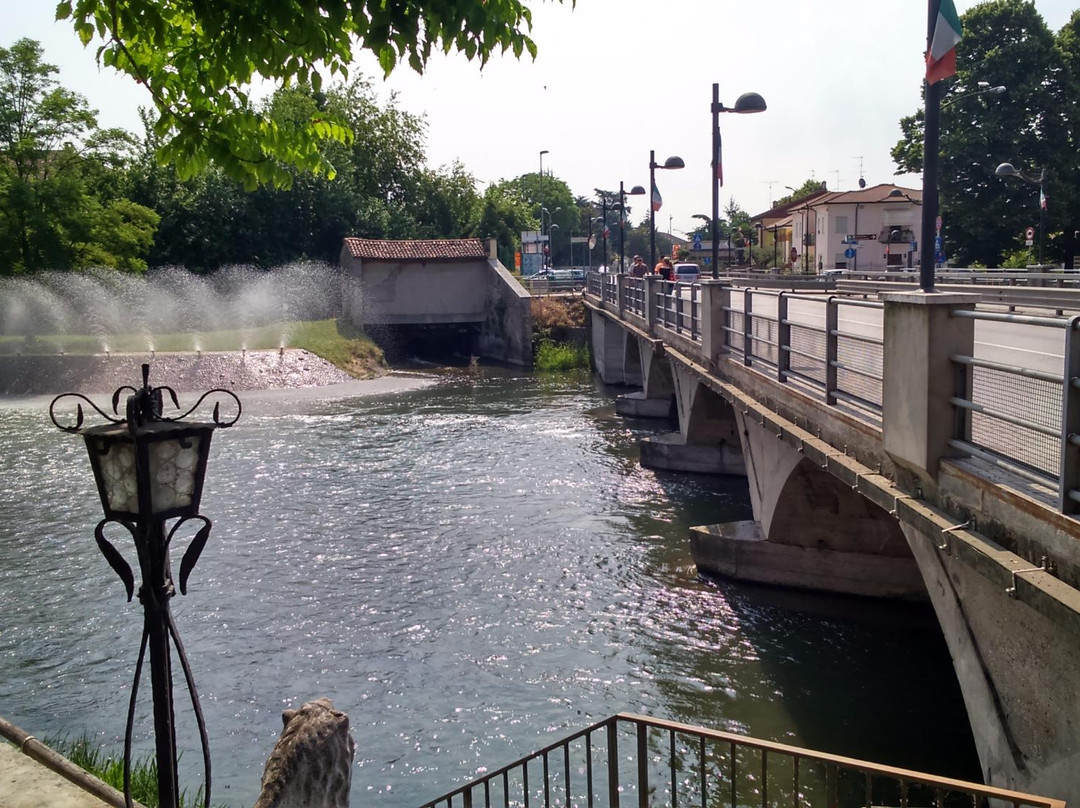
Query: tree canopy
pixel 1033 124
pixel 199 58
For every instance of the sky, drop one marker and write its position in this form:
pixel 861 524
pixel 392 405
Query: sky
pixel 614 79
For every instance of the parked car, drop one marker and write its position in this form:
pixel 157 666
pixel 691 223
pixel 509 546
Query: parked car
pixel 569 278
pixel 687 273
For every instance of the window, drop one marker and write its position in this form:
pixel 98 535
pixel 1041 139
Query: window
pixel 841 225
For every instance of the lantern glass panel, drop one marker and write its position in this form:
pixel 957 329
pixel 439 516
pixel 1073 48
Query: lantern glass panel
pixel 173 466
pixel 117 468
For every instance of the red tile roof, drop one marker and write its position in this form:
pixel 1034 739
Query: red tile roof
pixel 437 249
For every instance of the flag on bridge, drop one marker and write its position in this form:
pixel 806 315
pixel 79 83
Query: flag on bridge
pixel 657 200
pixel 941 58
pixel 1042 199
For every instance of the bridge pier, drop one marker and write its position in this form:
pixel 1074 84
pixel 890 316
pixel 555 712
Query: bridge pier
pixel 1018 669
pixel 656 399
pixel 615 352
pixel 708 438
pixel 810 531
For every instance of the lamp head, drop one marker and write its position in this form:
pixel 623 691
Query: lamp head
pixel 749 102
pixel 637 190
pixel 1006 170
pixel 674 162
pixel 543 151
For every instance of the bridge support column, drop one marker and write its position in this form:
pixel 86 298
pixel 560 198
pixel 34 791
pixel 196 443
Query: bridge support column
pixel 657 396
pixel 707 441
pixel 810 531
pixel 919 335
pixel 614 351
pixel 1018 669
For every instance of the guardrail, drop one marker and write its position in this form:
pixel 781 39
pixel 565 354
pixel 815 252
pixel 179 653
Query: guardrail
pixel 635 760
pixel 678 307
pixel 1009 296
pixel 810 348
pixel 1025 419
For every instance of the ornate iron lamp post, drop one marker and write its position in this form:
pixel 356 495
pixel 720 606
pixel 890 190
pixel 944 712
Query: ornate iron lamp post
pixel 149 469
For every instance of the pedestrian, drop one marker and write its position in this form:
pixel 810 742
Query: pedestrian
pixel 638 268
pixel 665 269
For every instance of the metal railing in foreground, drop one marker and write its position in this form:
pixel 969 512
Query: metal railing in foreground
pixel 629 760
pixel 1023 418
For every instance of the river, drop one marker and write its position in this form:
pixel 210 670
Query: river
pixel 469 569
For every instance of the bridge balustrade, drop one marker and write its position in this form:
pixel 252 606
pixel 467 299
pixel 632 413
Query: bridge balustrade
pixel 1023 419
pixel 809 347
pixel 1028 418
pixel 635 760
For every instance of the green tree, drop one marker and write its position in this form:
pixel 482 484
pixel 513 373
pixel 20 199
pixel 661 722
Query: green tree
pixel 504 215
pixel 197 60
pixel 808 188
pixel 1005 42
pixel 60 206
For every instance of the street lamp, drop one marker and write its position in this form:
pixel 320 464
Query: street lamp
pixel 637 190
pixel 150 468
pixel 654 201
pixel 551 244
pixel 1008 170
pixel 745 103
pixel 984 89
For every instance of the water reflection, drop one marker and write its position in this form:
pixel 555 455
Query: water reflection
pixel 467 570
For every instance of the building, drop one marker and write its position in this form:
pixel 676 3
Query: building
pixel 870 229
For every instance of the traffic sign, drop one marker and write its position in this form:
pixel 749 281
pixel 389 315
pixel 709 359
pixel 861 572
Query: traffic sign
pixel 937 244
pixel 865 236
pixel 697 241
pixel 1029 234
pixel 849 252
pixel 914 246
pixel 937 224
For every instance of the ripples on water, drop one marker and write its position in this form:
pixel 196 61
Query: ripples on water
pixel 469 570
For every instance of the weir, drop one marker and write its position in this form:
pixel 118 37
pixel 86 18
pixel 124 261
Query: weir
pixel 870 473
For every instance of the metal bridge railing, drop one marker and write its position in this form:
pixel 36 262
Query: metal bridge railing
pixel 820 342
pixel 630 760
pixel 1020 417
pixel 678 308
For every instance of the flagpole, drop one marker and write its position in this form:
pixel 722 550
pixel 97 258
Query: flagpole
pixel 652 210
pixel 714 226
pixel 931 146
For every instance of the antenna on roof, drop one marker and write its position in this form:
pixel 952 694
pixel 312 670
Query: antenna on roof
pixel 862 181
pixel 770 183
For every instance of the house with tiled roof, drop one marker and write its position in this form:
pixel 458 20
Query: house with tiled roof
pixel 869 229
pixel 448 293
pixel 774 228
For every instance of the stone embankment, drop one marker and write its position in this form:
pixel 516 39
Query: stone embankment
pixel 184 372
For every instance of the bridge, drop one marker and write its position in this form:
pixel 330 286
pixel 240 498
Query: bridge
pixel 898 444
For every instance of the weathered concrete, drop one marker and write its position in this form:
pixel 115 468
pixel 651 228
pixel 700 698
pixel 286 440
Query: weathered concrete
pixel 506 333
pixel 919 378
pixel 638 405
pixel 671 452
pixel 1018 670
pixel 740 550
pixel 25 783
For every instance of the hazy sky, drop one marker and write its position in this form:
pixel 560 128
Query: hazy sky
pixel 616 78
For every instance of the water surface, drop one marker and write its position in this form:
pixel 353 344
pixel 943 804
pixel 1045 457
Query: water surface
pixel 470 570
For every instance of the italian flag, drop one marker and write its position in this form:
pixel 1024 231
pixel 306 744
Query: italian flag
pixel 657 200
pixel 941 58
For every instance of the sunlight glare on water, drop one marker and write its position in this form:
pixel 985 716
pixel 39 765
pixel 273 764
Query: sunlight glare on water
pixel 469 570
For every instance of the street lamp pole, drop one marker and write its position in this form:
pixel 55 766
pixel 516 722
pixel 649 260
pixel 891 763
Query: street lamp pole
pixel 1009 170
pixel 150 468
pixel 670 163
pixel 931 147
pixel 637 190
pixel 745 103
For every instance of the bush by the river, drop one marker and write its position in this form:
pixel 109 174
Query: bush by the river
pixel 560 356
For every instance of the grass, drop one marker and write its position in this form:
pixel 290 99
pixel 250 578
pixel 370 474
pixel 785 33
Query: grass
pixel 333 340
pixel 559 357
pixel 109 768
